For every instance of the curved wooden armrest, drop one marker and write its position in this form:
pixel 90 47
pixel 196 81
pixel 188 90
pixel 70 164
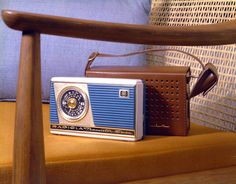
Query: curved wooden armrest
pixel 213 34
pixel 29 161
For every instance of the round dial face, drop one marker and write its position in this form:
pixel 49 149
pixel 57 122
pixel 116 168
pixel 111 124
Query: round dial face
pixel 73 104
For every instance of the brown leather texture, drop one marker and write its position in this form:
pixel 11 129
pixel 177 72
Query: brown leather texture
pixel 206 81
pixel 166 95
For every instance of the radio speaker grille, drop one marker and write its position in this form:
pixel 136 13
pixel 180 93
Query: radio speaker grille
pixel 53 106
pixel 162 102
pixel 109 110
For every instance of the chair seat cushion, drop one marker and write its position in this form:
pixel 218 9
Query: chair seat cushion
pixel 87 160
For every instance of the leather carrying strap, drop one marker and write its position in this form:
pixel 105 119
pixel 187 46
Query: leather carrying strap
pixel 206 81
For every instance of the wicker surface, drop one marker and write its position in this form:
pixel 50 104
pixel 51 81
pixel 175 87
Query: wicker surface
pixel 218 108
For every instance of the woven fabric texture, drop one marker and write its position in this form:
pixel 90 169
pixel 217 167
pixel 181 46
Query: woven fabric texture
pixel 218 108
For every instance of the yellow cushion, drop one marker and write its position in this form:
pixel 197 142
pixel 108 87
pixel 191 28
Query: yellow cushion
pixel 224 175
pixel 86 160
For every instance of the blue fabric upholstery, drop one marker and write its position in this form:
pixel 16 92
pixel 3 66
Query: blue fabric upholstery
pixel 62 56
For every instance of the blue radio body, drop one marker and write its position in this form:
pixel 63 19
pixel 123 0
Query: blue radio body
pixel 97 107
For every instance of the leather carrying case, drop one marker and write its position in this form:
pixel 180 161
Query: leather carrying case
pixel 167 92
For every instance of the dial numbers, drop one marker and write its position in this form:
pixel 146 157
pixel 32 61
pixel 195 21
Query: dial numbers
pixel 73 104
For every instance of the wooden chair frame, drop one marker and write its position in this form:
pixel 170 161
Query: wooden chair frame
pixel 29 159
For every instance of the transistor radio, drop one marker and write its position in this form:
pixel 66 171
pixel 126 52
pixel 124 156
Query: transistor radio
pixel 167 91
pixel 97 107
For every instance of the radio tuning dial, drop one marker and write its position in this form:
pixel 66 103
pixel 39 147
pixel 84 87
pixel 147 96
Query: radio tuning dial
pixel 73 104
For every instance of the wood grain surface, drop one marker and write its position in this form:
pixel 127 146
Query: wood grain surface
pixel 212 34
pixel 28 157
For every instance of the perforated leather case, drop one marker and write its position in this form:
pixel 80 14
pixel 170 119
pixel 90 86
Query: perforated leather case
pixel 167 95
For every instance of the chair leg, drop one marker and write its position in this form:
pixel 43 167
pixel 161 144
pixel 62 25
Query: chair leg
pixel 29 159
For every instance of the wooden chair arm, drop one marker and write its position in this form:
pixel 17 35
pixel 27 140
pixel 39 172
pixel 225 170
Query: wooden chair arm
pixel 213 34
pixel 28 159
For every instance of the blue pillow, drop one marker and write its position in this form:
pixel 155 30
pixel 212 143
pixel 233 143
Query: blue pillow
pixel 61 56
